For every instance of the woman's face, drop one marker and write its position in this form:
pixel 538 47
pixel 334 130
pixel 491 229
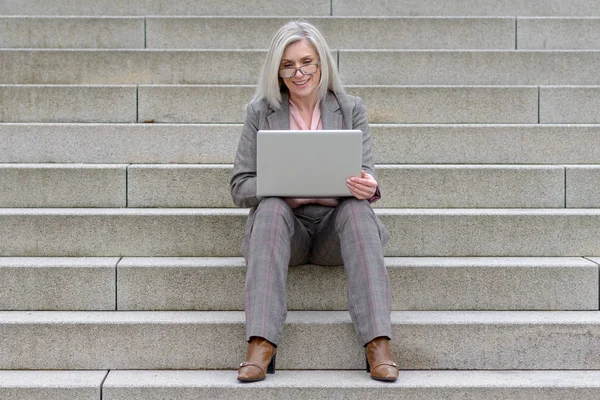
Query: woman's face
pixel 296 55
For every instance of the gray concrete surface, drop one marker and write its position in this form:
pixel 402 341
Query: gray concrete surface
pixel 119 143
pixel 218 233
pixel 313 340
pixel 63 185
pixel 51 385
pixel 193 103
pixel 69 103
pixel 355 385
pixel 57 283
pixel 558 33
pixel 340 32
pixel 205 185
pixel 423 283
pixel 468 67
pixel 116 67
pixel 468 7
pixel 449 104
pixel 569 104
pixel 217 143
pixel 470 186
pixel 57 32
pixel 583 186
pixel 152 7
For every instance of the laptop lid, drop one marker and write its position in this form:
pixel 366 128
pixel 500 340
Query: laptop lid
pixel 307 163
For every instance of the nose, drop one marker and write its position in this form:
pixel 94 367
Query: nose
pixel 298 72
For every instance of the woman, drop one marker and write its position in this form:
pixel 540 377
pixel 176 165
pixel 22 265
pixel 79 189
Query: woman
pixel 299 88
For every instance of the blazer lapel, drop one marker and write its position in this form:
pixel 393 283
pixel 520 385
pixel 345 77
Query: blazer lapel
pixel 331 114
pixel 279 120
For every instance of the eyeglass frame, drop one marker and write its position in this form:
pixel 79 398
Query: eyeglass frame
pixel 317 64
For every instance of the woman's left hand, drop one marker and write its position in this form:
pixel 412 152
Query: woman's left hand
pixel 362 188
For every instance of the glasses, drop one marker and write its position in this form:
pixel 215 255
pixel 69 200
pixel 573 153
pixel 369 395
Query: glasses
pixel 308 69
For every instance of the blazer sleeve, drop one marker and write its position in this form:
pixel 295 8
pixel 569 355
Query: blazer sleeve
pixel 243 180
pixel 359 121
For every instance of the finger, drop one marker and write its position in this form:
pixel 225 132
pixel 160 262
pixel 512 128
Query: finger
pixel 360 192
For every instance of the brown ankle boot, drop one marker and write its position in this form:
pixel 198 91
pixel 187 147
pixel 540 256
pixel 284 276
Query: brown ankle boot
pixel 379 361
pixel 260 360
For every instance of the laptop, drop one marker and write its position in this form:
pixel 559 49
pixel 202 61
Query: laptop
pixel 307 163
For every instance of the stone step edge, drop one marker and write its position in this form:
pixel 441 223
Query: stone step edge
pixel 326 318
pixel 174 379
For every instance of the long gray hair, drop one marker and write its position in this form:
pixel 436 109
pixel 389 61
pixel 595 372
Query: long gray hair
pixel 269 82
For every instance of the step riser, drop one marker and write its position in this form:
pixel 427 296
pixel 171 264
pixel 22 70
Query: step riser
pixel 406 187
pixel 356 67
pixel 68 104
pixel 341 33
pixel 151 7
pixel 469 68
pixel 141 284
pixel 181 232
pixel 477 342
pixel 30 185
pixel 567 33
pixel 145 284
pixel 252 33
pixel 130 67
pixel 210 144
pixel 564 105
pixel 51 385
pixel 110 33
pixel 225 104
pixel 58 284
pixel 468 7
pixel 354 385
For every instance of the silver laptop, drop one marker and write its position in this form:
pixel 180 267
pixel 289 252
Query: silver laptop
pixel 307 163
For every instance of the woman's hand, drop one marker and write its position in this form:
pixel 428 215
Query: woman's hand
pixel 362 188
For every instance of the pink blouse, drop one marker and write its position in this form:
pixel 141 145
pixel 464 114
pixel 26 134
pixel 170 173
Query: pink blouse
pixel 298 124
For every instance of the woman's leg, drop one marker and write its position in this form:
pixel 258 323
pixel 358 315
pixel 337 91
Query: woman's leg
pixel 352 231
pixel 277 240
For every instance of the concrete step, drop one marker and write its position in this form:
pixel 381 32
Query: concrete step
pixel 364 67
pixel 585 185
pixel 152 7
pixel 406 186
pixel 385 104
pixel 355 385
pixel 215 284
pixel 63 185
pixel 468 7
pixel 381 67
pixel 217 143
pixel 114 67
pixel 60 32
pixel 212 284
pixel 313 340
pixel 340 32
pixel 67 103
pixel 218 233
pixel 558 33
pixel 51 385
pixel 569 104
pixel 57 283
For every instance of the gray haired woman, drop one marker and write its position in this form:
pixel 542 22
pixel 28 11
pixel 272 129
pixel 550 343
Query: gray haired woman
pixel 299 88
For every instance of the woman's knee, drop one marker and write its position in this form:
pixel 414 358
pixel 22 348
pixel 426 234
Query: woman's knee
pixel 273 207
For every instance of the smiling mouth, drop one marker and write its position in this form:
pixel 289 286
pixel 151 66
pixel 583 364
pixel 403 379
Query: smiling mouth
pixel 300 83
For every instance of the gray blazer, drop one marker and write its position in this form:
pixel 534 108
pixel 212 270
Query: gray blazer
pixel 338 111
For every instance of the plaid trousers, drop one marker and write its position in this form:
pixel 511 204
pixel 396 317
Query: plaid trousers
pixel 349 234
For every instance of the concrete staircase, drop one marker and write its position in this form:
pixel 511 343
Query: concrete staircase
pixel 120 271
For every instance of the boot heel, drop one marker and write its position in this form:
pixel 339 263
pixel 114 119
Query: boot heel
pixel 368 366
pixel 271 367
